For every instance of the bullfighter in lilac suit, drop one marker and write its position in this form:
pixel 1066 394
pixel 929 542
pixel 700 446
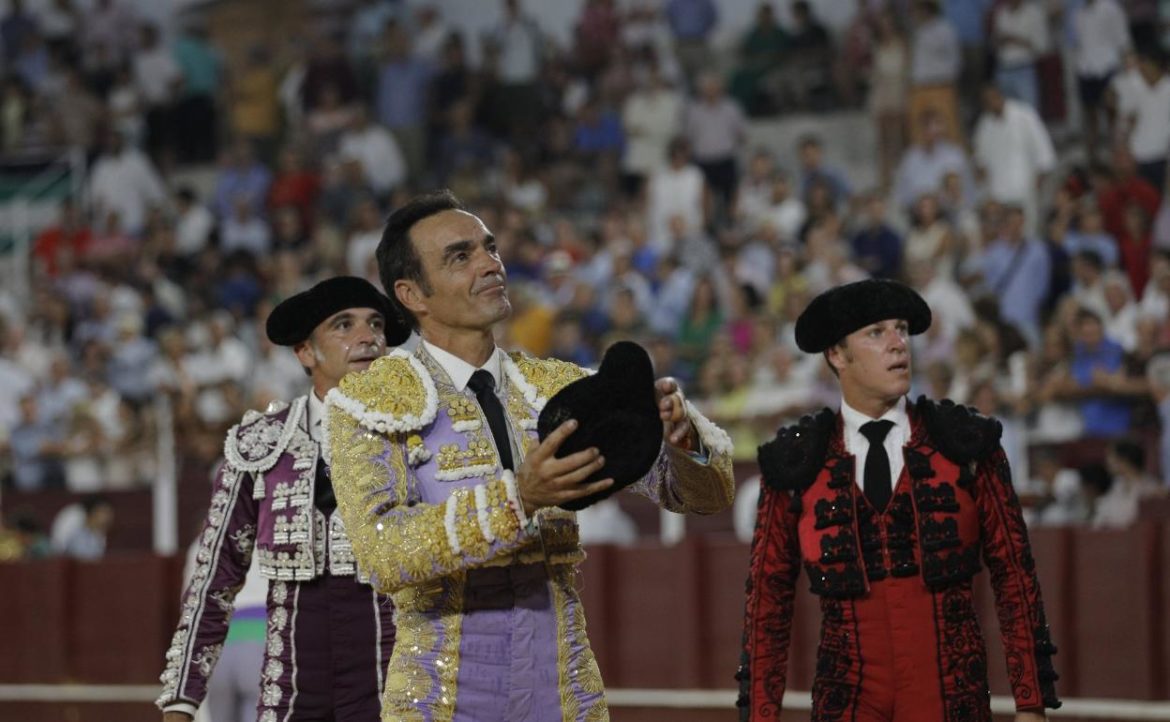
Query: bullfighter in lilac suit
pixel 451 500
pixel 329 634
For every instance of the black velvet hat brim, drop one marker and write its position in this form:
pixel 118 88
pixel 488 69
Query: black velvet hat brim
pixel 840 311
pixel 616 413
pixel 294 319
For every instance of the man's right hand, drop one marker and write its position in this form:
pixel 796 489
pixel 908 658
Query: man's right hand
pixel 176 717
pixel 544 480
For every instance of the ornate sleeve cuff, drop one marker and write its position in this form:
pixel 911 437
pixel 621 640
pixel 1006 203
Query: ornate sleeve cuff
pixel 184 707
pixel 712 439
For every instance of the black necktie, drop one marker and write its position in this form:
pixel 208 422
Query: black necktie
pixel 323 497
pixel 484 387
pixel 877 464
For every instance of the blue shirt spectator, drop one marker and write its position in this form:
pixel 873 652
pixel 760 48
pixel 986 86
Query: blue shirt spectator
pixel 34 443
pixel 599 131
pixel 878 249
pixel 1100 243
pixel 243 178
pixel 402 92
pixel 969 18
pixel 691 19
pixel 1017 271
pixel 1093 355
pixel 15 28
pixel 130 362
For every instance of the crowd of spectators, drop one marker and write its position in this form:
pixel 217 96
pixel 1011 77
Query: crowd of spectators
pixel 620 177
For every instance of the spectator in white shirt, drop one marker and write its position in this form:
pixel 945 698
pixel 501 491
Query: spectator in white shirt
pixel 1121 322
pixel 1155 303
pixel 1145 117
pixel 754 195
pixel 650 118
pixel 244 230
pixel 716 127
pixel 1020 33
pixel 946 298
pixel 373 146
pixel 1102 39
pixel 926 163
pixel 1118 508
pixel 157 77
pixel 676 189
pixel 194 223
pixel 124 180
pixel 1013 152
pixel 106 35
pixel 785 213
pixel 430 33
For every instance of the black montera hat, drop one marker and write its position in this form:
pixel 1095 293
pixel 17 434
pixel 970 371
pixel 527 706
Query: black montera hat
pixel 617 412
pixel 840 311
pixel 294 319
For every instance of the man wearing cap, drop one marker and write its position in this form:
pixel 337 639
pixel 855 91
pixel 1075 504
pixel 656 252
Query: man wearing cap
pixel 889 506
pixel 329 634
pixel 452 501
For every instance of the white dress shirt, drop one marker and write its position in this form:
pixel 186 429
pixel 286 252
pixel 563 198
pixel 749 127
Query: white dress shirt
pixel 316 416
pixel 858 445
pixel 1102 37
pixel 1015 149
pixel 1028 22
pixel 460 371
pixel 1148 106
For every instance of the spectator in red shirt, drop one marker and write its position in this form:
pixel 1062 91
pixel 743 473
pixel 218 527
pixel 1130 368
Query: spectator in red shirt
pixel 294 185
pixel 1120 186
pixel 69 235
pixel 1135 243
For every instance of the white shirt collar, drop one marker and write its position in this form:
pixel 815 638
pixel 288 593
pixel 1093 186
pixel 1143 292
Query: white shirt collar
pixel 853 419
pixel 316 415
pixel 460 371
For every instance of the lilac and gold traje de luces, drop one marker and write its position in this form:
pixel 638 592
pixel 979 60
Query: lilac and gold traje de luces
pixel 490 626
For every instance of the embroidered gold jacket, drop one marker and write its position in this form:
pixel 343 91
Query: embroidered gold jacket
pixel 430 513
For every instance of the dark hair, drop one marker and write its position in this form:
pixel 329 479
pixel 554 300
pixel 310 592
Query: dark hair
pixel 1091 257
pixel 1095 477
pixel 396 254
pixel 92 502
pixel 1130 452
pixel 809 140
pixel 1084 314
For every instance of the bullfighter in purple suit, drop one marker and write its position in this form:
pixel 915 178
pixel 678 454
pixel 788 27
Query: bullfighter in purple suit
pixel 329 634
pixel 451 501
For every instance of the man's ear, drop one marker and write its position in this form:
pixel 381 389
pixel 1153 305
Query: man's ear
pixel 410 295
pixel 305 354
pixel 836 356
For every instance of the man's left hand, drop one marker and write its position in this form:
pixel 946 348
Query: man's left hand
pixel 672 409
pixel 1030 717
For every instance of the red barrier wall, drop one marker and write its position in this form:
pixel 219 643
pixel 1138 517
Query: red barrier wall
pixel 659 617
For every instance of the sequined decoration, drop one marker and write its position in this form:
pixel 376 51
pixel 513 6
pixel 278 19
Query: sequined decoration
pixel 581 689
pixel 390 386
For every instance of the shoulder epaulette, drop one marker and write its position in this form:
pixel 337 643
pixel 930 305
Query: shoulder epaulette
pixel 394 395
pixel 540 379
pixel 959 432
pixel 254 444
pixel 792 460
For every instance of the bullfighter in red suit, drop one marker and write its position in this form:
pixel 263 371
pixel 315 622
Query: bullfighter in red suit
pixel 329 634
pixel 889 506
